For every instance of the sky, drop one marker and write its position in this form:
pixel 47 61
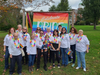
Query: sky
pixel 73 3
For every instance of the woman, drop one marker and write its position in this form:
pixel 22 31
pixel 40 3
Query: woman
pixel 37 32
pixel 82 45
pixel 7 38
pixel 31 51
pixel 73 35
pixel 55 47
pixel 65 45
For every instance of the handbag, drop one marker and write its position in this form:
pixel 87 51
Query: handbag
pixel 69 52
pixel 23 54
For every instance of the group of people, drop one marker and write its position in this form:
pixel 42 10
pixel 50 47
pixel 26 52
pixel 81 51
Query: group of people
pixel 38 44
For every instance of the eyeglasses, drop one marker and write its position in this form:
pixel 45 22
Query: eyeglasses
pixel 63 30
pixel 41 33
pixel 72 30
pixel 38 29
pixel 25 29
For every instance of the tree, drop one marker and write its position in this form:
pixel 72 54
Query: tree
pixel 91 10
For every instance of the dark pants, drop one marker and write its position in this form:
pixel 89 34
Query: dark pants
pixel 50 57
pixel 45 54
pixel 74 51
pixel 57 56
pixel 25 57
pixel 6 58
pixel 31 60
pixel 13 60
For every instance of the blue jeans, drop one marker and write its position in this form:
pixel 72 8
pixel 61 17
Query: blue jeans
pixel 44 46
pixel 6 58
pixel 31 59
pixel 64 56
pixel 81 58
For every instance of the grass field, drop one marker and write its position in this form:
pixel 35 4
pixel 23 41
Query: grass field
pixel 92 58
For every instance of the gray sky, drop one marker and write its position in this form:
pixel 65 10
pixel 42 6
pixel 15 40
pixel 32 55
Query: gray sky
pixel 73 3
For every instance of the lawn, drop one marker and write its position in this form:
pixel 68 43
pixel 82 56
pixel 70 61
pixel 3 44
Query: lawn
pixel 92 58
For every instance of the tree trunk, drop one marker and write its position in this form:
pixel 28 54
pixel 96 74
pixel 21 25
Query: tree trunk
pixel 94 25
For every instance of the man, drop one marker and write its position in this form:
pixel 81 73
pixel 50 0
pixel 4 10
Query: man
pixel 40 41
pixel 25 36
pixel 19 30
pixel 15 54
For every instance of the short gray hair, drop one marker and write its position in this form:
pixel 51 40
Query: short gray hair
pixel 19 25
pixel 81 30
pixel 48 28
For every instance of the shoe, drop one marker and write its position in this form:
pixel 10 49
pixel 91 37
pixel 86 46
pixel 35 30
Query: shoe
pixel 53 66
pixel 45 68
pixel 29 69
pixel 77 68
pixel 20 74
pixel 58 66
pixel 84 69
pixel 69 62
pixel 73 65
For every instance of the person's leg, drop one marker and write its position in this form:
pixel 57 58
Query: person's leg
pixel 74 51
pixel 50 57
pixel 38 58
pixel 19 58
pixel 62 51
pixel 82 55
pixel 26 56
pixel 6 58
pixel 58 59
pixel 33 58
pixel 12 64
pixel 69 57
pixel 66 57
pixel 45 60
pixel 53 58
pixel 30 60
pixel 23 58
pixel 78 59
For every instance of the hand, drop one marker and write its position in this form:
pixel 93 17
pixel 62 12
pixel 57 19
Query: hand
pixel 41 50
pixel 10 55
pixel 28 54
pixel 45 50
pixel 87 51
pixel 53 48
pixel 57 49
pixel 4 50
pixel 24 39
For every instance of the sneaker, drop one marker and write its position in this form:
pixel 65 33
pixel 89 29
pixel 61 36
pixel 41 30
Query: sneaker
pixel 53 66
pixel 69 62
pixel 58 66
pixel 73 65
pixel 77 68
pixel 84 69
pixel 20 74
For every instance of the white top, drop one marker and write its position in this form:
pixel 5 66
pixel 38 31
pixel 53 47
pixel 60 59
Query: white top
pixel 12 48
pixel 19 33
pixel 65 41
pixel 28 37
pixel 82 45
pixel 49 33
pixel 37 35
pixel 73 40
pixel 40 42
pixel 30 49
pixel 7 39
pixel 58 39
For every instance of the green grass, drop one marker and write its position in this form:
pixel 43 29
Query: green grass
pixel 92 58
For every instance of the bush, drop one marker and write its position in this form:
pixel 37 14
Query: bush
pixel 81 23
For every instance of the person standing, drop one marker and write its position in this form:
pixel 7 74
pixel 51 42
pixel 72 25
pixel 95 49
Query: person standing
pixel 7 38
pixel 82 46
pixel 19 30
pixel 15 54
pixel 25 37
pixel 55 47
pixel 72 36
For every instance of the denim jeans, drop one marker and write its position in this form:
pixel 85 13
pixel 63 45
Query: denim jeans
pixel 44 46
pixel 81 58
pixel 31 59
pixel 6 58
pixel 64 56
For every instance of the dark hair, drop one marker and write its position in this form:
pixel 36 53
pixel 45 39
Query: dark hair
pixel 75 31
pixel 62 31
pixel 56 31
pixel 42 31
pixel 10 29
pixel 60 26
pixel 37 30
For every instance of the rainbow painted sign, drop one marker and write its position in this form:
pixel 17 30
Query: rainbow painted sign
pixel 52 20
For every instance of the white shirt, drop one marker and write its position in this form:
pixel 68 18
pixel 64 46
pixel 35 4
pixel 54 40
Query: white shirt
pixel 65 41
pixel 49 33
pixel 82 45
pixel 58 39
pixel 7 39
pixel 37 35
pixel 40 42
pixel 28 37
pixel 12 48
pixel 30 49
pixel 73 40
pixel 19 33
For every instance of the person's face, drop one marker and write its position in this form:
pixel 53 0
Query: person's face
pixel 16 36
pixel 24 30
pixel 48 30
pixel 72 31
pixel 80 33
pixel 12 31
pixel 38 30
pixel 47 38
pixel 19 28
pixel 64 30
pixel 55 33
pixel 41 33
pixel 33 36
pixel 60 27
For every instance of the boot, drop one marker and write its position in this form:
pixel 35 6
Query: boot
pixel 29 69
